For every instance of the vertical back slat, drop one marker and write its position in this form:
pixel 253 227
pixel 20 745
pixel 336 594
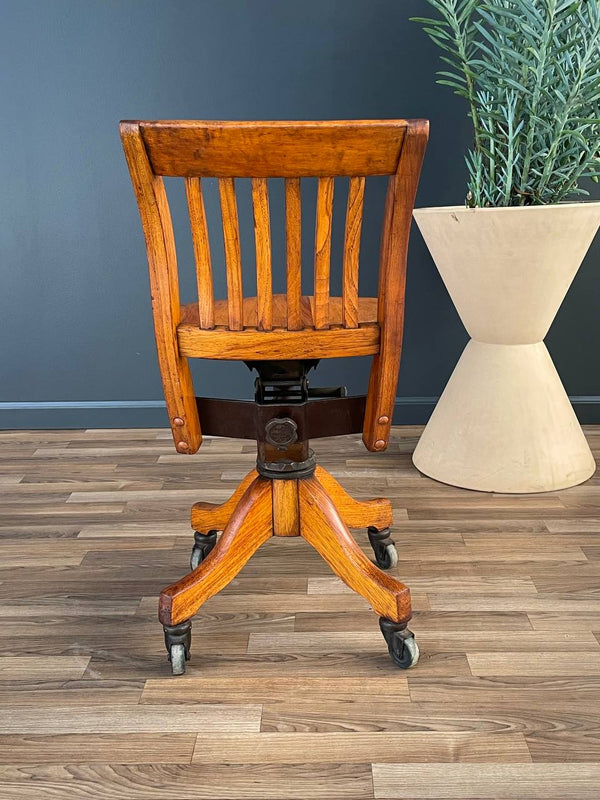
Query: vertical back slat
pixel 323 252
pixel 354 214
pixel 204 278
pixel 262 237
pixel 233 262
pixel 293 232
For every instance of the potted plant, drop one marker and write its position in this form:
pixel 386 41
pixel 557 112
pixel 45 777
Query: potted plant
pixel 530 73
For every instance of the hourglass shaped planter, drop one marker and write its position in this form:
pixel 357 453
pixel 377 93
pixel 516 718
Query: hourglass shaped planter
pixel 504 422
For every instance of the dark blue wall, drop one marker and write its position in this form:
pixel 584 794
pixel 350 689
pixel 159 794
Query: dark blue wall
pixel 77 346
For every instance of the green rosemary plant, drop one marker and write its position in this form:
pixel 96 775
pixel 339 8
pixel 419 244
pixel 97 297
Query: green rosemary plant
pixel 530 72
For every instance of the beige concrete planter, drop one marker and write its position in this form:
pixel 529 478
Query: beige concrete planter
pixel 504 422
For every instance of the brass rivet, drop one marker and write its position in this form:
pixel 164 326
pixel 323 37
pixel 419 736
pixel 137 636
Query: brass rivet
pixel 178 421
pixel 183 446
pixel 379 444
pixel 383 420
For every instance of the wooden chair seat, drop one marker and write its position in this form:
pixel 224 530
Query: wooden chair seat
pixel 279 343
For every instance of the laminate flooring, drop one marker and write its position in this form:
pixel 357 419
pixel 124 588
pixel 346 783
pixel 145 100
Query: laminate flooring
pixel 290 693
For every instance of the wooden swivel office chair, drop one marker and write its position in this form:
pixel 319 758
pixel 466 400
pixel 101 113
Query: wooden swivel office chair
pixel 281 337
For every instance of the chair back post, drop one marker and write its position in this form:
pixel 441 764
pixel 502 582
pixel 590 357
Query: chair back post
pixel 164 287
pixel 385 367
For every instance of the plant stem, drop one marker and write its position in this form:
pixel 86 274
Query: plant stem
pixel 537 90
pixel 460 43
pixel 562 120
pixel 510 155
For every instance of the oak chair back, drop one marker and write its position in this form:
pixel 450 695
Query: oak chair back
pixel 268 326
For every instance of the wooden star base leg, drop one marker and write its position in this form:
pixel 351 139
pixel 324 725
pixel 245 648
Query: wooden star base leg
pixel 355 513
pixel 304 507
pixel 323 527
pixel 250 524
pixel 214 517
pixel 375 513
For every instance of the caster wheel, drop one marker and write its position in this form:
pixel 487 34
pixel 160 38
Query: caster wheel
pixel 402 645
pixel 177 657
pixel 408 655
pixel 386 555
pixel 203 544
pixel 178 639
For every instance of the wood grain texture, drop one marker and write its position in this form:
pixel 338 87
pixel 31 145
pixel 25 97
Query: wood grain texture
pixel 131 719
pixel 212 516
pixel 537 663
pixel 290 150
pixel 354 215
pixel 524 644
pixel 323 226
pixel 19 667
pixel 189 782
pixel 387 596
pixel 288 669
pixel 487 782
pixel 273 149
pixel 385 367
pixel 360 748
pixel 371 715
pixel 164 285
pixel 355 513
pixel 250 526
pixel 199 228
pixel 251 344
pixel 233 257
pixel 90 748
pixel 307 690
pixel 286 513
pixel 293 239
pixel 299 507
pixel 367 311
pixel 262 237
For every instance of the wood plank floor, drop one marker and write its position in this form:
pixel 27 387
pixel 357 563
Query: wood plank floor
pixel 290 693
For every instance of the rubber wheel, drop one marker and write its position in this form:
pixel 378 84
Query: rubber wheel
pixel 177 655
pixel 386 557
pixel 200 551
pixel 404 651
pixel 197 557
